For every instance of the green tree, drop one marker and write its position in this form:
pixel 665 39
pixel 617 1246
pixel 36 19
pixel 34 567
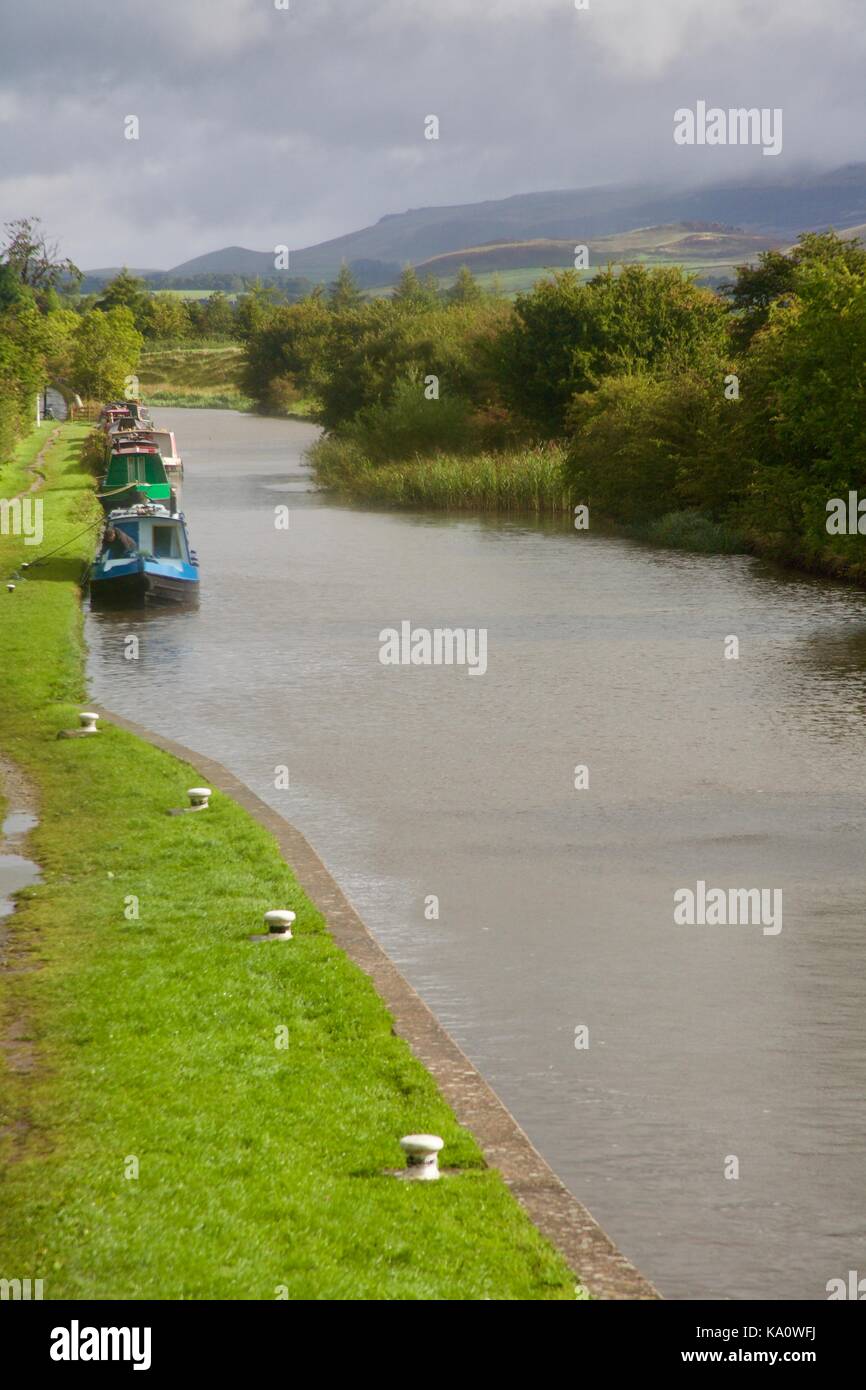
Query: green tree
pixel 283 358
pixel 344 292
pixel 105 353
pixel 804 407
pixel 167 317
pixel 566 336
pixel 255 308
pixel 127 291
pixel 217 317
pixel 12 291
pixel 773 279
pixel 643 446
pixel 411 293
pixel 466 289
pixel 35 260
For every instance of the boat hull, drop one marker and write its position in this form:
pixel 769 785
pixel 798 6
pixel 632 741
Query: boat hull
pixel 142 582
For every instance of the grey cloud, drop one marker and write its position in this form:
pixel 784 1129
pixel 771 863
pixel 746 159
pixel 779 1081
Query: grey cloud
pixel 261 127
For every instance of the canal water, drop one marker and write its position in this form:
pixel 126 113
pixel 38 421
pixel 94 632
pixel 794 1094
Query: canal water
pixel 715 1123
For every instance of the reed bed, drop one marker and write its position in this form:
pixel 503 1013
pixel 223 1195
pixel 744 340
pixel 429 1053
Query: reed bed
pixel 520 480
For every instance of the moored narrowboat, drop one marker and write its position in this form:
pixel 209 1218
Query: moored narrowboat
pixel 136 474
pixel 144 557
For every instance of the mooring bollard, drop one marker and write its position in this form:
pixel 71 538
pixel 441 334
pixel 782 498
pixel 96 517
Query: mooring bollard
pixel 199 798
pixel 422 1156
pixel 279 925
pixel 88 722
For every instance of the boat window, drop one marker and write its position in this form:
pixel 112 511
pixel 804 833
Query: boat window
pixel 166 543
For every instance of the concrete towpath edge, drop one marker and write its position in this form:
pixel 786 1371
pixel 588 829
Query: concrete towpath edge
pixel 601 1268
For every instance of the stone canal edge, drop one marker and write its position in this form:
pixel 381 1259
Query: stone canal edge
pixel 602 1270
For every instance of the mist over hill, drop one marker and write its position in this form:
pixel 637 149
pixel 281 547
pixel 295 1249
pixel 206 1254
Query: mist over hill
pixel 771 209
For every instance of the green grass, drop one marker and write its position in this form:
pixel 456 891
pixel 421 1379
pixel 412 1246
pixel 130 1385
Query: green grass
pixel 198 400
pixel 14 476
pixel 202 376
pixel 231 295
pixel 690 530
pixel 519 480
pixel 193 376
pixel 154 1039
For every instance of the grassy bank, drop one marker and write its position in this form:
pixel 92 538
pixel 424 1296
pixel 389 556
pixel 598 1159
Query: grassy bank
pixel 527 480
pixel 257 1091
pixel 533 482
pixel 14 475
pixel 193 377
pixel 203 377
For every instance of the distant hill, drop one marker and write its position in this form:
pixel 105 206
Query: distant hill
pixel 109 272
pixel 769 209
pixel 231 260
pixel 778 209
pixel 678 242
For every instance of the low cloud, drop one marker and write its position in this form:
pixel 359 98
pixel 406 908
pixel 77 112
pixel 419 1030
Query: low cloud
pixel 262 126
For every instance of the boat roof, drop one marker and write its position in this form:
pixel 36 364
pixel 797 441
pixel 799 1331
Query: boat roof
pixel 144 509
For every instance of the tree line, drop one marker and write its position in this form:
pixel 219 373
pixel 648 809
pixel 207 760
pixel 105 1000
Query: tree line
pixel 718 420
pixel 47 337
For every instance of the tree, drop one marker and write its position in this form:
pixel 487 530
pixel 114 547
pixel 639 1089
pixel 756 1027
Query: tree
pixel 466 289
pixel 105 353
pixel 773 279
pixel 255 308
pixel 804 404
pixel 644 445
pixel 126 291
pixel 57 338
pixel 217 319
pixel 284 355
pixel 167 317
pixel 410 293
pixel 22 371
pixel 12 291
pixel 566 336
pixel 344 292
pixel 35 260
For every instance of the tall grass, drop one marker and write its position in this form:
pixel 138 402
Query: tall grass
pixel 517 480
pixel 691 530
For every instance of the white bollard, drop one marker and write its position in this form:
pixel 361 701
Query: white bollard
pixel 422 1155
pixel 279 924
pixel 88 722
pixel 10 588
pixel 199 798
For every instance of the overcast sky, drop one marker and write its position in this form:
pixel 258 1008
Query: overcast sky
pixel 261 127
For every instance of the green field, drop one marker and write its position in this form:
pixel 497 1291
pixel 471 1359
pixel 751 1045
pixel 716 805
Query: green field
pixel 186 1114
pixel 230 295
pixel 193 376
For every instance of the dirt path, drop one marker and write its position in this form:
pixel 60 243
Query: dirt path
pixel 34 469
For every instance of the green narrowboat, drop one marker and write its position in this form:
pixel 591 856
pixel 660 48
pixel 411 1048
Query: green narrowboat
pixel 136 475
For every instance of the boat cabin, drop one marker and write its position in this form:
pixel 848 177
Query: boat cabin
pixel 155 533
pixel 167 445
pixel 162 440
pixel 138 469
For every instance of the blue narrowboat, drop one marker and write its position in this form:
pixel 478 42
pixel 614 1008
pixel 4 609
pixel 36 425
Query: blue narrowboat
pixel 144 557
